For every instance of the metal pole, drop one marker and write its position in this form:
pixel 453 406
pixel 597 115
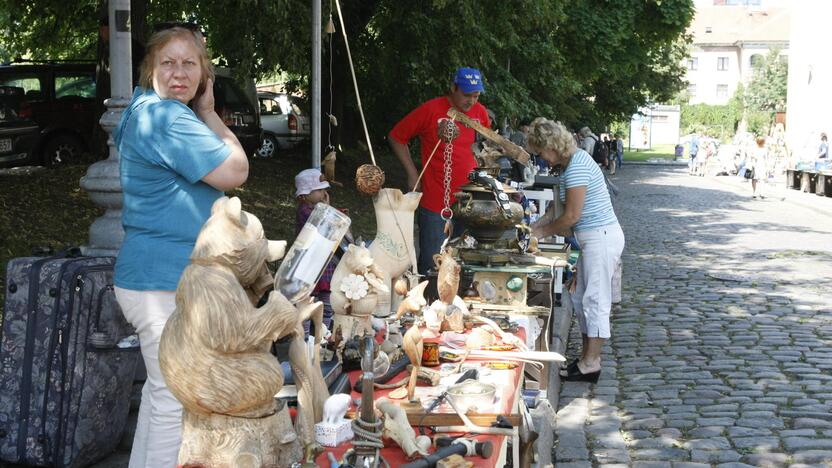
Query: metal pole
pixel 316 83
pixel 102 181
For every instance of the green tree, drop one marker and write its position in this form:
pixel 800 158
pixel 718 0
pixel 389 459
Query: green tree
pixel 581 61
pixel 767 89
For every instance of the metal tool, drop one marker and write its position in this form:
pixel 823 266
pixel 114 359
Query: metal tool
pixel 467 375
pixel 367 429
pixel 484 180
pixel 481 449
pixel 460 446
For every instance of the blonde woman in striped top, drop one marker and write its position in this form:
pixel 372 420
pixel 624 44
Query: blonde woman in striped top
pixel 588 211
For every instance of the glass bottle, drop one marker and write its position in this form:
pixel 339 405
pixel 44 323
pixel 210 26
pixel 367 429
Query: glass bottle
pixel 310 253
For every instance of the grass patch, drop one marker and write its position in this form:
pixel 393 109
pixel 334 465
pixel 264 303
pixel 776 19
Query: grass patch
pixel 49 209
pixel 657 152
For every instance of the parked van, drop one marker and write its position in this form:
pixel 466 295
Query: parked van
pixel 49 113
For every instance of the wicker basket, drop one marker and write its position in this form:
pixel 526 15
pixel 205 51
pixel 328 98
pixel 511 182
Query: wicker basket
pixel 369 179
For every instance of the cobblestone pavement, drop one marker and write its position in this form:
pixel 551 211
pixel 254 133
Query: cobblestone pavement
pixel 721 352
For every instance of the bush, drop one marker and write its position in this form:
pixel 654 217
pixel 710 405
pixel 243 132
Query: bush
pixel 759 121
pixel 714 120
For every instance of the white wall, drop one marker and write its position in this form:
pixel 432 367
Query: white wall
pixel 657 125
pixel 665 125
pixel 707 77
pixel 809 102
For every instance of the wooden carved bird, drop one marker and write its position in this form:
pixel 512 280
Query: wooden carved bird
pixel 414 301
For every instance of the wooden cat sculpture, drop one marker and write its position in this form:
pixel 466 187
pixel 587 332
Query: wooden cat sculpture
pixel 390 254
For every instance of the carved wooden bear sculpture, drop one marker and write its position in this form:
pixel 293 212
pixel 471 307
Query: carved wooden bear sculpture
pixel 214 351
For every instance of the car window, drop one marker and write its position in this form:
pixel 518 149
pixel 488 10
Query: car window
pixel 280 104
pixel 296 109
pixel 79 86
pixel 32 85
pixel 227 93
pixel 268 106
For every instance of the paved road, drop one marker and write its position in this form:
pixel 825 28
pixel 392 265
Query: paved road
pixel 722 347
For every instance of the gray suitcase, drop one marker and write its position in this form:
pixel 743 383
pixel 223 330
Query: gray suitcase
pixel 64 383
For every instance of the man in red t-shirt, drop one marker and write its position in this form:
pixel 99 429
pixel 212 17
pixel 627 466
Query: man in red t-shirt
pixel 423 122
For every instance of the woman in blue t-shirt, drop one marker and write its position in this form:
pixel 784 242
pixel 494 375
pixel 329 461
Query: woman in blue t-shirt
pixel 177 158
pixel 588 211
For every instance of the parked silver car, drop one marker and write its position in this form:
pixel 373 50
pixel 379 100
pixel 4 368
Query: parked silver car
pixel 285 123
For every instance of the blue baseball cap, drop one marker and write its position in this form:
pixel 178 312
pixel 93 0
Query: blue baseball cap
pixel 469 80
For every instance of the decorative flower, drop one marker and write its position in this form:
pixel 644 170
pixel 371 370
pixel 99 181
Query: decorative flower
pixel 354 287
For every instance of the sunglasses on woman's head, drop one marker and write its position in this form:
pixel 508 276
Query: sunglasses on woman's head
pixel 175 24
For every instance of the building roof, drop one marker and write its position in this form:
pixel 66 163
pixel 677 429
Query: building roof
pixel 730 25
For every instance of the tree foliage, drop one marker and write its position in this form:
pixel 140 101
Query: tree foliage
pixel 767 89
pixel 579 61
pixel 719 121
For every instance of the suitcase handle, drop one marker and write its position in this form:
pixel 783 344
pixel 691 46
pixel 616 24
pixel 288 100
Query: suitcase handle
pixel 48 251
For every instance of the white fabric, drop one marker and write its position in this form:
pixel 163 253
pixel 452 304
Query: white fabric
pixel 309 180
pixel 159 428
pixel 600 255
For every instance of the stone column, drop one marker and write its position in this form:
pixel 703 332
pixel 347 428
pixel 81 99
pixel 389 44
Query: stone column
pixel 102 178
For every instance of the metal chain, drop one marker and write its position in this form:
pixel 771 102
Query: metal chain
pixel 450 128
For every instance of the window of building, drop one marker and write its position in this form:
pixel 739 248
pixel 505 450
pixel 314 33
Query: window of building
pixel 756 61
pixel 722 63
pixel 722 91
pixel 693 64
pixel 691 90
pixel 708 29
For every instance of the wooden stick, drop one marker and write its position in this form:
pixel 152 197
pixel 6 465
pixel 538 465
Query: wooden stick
pixel 355 82
pixel 512 150
pixel 425 165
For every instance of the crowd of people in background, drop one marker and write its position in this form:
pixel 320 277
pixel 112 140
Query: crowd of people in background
pixel 758 159
pixel 611 145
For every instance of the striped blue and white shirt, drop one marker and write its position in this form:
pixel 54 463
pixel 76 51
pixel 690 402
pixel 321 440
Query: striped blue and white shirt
pixel 583 171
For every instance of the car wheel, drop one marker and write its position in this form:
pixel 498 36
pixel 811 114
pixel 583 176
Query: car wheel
pixel 268 148
pixel 62 149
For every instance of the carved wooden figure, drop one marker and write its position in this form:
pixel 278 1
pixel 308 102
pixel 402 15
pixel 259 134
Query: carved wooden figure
pixel 312 389
pixel 414 301
pixel 356 268
pixel 447 276
pixel 449 308
pixel 413 347
pixel 214 351
pixel 397 427
pixel 392 249
pixel 357 284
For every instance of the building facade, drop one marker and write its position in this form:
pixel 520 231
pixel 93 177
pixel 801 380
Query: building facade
pixel 809 102
pixel 728 42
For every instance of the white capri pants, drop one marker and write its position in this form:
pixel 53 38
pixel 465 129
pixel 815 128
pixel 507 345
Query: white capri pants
pixel 600 254
pixel 159 426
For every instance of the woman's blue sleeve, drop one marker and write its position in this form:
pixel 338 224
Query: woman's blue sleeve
pixel 192 149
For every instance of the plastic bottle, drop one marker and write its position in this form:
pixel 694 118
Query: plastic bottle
pixel 310 253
